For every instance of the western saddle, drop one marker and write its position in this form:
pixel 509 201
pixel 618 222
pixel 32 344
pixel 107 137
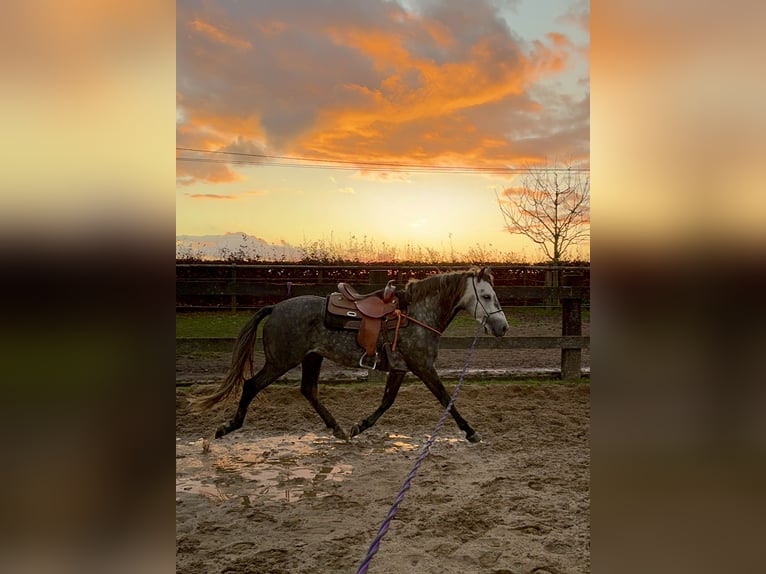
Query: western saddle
pixel 367 313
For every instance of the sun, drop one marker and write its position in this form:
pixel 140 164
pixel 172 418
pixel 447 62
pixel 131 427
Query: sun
pixel 419 224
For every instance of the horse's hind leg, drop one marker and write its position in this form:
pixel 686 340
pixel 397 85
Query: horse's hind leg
pixel 250 388
pixel 431 378
pixel 309 381
pixel 393 382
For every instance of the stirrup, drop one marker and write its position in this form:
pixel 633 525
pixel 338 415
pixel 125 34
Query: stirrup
pixel 367 366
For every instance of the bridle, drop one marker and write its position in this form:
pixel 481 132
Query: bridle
pixel 478 302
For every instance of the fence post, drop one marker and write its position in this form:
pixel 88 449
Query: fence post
pixel 571 324
pixel 233 287
pixel 552 281
pixel 378 277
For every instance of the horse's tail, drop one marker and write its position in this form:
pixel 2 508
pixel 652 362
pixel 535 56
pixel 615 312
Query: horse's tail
pixel 241 362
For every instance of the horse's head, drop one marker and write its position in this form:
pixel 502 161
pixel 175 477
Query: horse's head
pixel 480 300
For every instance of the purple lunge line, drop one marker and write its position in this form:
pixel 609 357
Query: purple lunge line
pixel 423 454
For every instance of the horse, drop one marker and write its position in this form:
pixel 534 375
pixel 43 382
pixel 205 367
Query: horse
pixel 295 334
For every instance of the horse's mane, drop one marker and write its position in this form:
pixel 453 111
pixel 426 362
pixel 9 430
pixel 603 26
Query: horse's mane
pixel 451 284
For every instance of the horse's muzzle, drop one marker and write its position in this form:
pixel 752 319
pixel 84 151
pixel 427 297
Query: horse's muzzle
pixel 496 328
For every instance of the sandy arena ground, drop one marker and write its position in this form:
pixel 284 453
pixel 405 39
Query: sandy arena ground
pixel 282 495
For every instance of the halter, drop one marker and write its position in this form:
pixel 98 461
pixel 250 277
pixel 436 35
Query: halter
pixel 478 302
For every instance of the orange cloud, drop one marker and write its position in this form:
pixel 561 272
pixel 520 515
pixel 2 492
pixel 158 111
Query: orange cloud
pixel 218 35
pixel 559 40
pixel 430 95
pixel 392 175
pixel 384 48
pixel 193 167
pixel 211 196
pixel 189 172
pixel 215 126
pixel 439 33
pixel 443 85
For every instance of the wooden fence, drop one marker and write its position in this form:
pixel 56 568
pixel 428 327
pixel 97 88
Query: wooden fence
pixel 243 286
pixel 211 286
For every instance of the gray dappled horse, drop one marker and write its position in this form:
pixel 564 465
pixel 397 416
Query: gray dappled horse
pixel 295 334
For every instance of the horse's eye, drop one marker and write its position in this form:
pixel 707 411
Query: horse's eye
pixel 486 297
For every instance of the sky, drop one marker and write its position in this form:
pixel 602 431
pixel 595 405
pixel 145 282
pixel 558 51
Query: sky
pixel 326 95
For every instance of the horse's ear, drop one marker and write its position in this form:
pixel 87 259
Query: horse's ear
pixel 482 272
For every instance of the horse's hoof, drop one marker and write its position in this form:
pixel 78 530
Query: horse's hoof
pixel 221 431
pixel 475 437
pixel 355 430
pixel 339 434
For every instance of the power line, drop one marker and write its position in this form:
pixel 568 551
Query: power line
pixel 320 163
pixel 366 167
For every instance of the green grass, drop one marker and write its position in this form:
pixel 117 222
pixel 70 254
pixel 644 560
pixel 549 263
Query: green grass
pixel 530 313
pixel 210 324
pixel 227 324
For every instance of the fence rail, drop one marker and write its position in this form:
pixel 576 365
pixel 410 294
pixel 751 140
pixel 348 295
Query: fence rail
pixel 224 344
pixel 216 286
pixel 251 288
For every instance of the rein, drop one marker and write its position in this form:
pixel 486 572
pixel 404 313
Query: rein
pixel 399 316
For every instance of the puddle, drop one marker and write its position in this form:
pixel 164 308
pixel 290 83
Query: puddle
pixel 448 440
pixel 401 447
pixel 404 443
pixel 280 468
pixel 283 468
pixel 399 443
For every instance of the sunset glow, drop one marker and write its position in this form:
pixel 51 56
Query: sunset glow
pixel 327 104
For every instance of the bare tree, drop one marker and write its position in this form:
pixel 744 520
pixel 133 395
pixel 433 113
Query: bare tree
pixel 551 207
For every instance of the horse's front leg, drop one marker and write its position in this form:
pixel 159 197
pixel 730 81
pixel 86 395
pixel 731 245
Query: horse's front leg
pixel 431 379
pixel 393 382
pixel 309 381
